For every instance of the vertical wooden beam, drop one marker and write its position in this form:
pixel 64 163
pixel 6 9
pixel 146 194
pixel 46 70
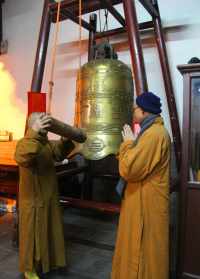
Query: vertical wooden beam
pixel 91 42
pixel 135 47
pixel 160 42
pixel 41 48
pixel 1 22
pixel 149 7
pixel 3 43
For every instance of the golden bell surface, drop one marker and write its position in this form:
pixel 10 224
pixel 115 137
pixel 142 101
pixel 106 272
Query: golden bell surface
pixel 103 105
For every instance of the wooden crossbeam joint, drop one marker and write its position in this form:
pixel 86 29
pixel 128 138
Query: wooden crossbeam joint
pixel 112 32
pixel 149 7
pixel 114 12
pixel 88 7
pixel 75 19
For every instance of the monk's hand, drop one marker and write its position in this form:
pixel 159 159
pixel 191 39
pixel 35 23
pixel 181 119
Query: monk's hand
pixel 42 122
pixel 127 133
pixel 78 147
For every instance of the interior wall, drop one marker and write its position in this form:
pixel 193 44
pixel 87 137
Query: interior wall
pixel 21 29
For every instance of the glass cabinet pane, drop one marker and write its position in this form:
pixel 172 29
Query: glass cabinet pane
pixel 194 173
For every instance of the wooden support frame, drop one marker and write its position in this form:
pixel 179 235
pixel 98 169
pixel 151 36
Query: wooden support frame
pixel 147 4
pixel 69 9
pixel 70 15
pixel 173 114
pixel 135 47
pixel 112 32
pixel 114 12
pixel 42 46
pixel 72 5
pixel 1 23
pixel 3 43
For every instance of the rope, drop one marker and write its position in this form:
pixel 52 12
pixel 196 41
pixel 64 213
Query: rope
pixel 80 32
pixel 79 84
pixel 51 82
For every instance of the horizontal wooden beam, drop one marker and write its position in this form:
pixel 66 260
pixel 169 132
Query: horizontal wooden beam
pixel 113 32
pixel 149 7
pixel 75 19
pixel 73 6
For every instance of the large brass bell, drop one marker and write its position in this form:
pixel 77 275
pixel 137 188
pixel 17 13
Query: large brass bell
pixel 103 105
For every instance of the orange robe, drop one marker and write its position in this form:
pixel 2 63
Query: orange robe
pixel 41 237
pixel 142 246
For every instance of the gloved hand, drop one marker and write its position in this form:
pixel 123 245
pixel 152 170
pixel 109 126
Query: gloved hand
pixel 41 123
pixel 127 133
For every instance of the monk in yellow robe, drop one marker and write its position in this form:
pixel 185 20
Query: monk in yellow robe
pixel 41 237
pixel 142 246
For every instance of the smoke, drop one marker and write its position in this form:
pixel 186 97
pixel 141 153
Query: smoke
pixel 12 112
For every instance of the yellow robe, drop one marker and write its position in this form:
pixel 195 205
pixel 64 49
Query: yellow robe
pixel 142 246
pixel 41 237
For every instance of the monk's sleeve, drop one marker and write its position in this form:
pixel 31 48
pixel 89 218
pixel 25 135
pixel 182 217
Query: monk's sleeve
pixel 28 149
pixel 61 148
pixel 139 161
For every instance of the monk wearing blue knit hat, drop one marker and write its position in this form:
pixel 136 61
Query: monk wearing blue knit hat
pixel 142 246
pixel 149 102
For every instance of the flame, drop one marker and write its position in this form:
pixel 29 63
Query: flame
pixel 12 112
pixel 7 205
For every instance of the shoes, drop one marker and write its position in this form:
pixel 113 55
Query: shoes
pixel 31 275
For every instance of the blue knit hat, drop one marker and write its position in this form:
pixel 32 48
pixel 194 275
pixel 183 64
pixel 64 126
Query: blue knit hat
pixel 149 102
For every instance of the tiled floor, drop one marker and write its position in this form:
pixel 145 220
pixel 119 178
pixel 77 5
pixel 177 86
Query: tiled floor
pixel 90 239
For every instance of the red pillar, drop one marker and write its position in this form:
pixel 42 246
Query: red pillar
pixel 135 47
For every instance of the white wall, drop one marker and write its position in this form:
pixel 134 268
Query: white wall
pixel 21 28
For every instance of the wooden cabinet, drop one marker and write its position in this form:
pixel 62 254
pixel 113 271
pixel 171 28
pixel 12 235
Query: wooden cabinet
pixel 189 253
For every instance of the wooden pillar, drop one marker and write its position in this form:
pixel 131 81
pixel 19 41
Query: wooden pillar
pixel 41 49
pixel 1 23
pixel 91 42
pixel 168 84
pixel 135 46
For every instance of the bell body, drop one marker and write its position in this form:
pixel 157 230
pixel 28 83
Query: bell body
pixel 104 104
